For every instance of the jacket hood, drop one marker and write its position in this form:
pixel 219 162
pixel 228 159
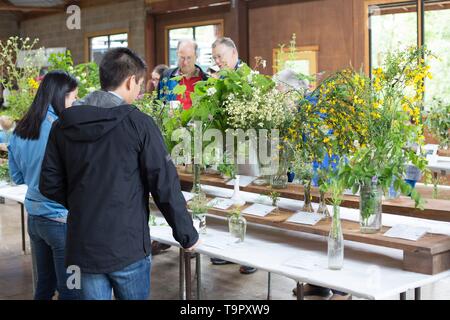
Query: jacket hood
pixel 90 123
pixel 100 98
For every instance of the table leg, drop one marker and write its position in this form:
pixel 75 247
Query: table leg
pixel 300 291
pixel 198 270
pixel 403 296
pixel 188 275
pixel 268 286
pixel 22 220
pixel 181 287
pixel 417 294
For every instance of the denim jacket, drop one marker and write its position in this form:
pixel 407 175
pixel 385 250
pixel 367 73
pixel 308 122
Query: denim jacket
pixel 25 160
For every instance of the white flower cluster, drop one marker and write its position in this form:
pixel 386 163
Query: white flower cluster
pixel 271 110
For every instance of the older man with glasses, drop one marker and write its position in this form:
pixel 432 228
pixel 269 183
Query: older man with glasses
pixel 187 70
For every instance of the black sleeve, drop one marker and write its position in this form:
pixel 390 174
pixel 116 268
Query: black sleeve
pixel 52 181
pixel 164 184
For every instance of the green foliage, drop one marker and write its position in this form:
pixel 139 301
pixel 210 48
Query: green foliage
pixel 4 172
pixel 438 121
pixel 390 131
pixel 23 78
pixel 152 106
pixel 199 204
pixel 87 74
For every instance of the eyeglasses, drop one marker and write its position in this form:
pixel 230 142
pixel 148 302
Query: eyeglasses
pixel 187 59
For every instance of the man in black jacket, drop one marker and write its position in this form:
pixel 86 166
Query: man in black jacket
pixel 103 158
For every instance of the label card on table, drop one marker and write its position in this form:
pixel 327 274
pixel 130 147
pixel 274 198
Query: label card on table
pixel 308 218
pixel 188 195
pixel 244 181
pixel 260 210
pixel 221 203
pixel 406 232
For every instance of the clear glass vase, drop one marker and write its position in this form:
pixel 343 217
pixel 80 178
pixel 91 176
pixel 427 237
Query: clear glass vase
pixel 279 180
pixel 335 242
pixel 307 206
pixel 323 208
pixel 237 225
pixel 196 173
pixel 370 207
pixel 199 220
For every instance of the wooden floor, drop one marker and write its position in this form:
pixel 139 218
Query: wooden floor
pixel 219 282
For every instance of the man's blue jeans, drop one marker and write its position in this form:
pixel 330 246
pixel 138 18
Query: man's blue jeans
pixel 130 283
pixel 48 242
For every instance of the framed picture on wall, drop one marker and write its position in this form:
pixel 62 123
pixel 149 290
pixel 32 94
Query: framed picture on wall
pixel 302 59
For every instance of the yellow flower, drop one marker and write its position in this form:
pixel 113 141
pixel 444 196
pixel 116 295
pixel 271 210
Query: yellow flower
pixel 33 83
pixel 326 140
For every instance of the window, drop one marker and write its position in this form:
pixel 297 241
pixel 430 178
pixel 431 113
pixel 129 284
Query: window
pixel 204 35
pixel 437 39
pixel 99 45
pixel 392 27
pixel 396 26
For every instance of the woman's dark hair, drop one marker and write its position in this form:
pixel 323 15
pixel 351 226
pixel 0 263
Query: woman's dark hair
pixel 160 69
pixel 52 91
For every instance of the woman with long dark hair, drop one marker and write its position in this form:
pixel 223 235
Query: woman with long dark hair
pixel 46 218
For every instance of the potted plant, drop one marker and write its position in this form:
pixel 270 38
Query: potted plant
pixel 199 209
pixel 237 224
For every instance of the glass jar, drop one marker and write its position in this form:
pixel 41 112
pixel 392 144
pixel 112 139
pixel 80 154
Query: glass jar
pixel 323 208
pixel 370 207
pixel 237 226
pixel 199 220
pixel 307 206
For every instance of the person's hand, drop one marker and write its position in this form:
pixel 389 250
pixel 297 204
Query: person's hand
pixel 194 246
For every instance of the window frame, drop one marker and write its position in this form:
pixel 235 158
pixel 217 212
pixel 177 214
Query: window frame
pixel 167 28
pixel 106 33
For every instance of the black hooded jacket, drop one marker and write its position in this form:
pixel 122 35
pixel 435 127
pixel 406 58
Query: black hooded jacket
pixel 101 164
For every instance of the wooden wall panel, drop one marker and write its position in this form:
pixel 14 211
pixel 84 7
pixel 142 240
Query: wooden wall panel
pixel 327 23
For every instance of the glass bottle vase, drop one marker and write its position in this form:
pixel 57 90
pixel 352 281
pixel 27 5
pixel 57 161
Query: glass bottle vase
pixel 237 225
pixel 323 208
pixel 307 206
pixel 335 242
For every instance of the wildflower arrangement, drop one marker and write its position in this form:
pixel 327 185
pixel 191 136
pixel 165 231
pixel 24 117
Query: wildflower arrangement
pixel 20 81
pixel 389 134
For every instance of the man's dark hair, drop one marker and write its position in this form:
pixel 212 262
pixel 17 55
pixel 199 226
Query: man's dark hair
pixel 118 64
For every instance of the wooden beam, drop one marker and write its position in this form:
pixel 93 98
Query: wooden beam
pixel 166 6
pixel 239 19
pixel 252 4
pixel 27 9
pixel 150 44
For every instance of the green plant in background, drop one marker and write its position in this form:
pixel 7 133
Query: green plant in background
pixel 4 172
pixel 438 122
pixel 149 104
pixel 87 74
pixel 227 169
pixel 20 80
